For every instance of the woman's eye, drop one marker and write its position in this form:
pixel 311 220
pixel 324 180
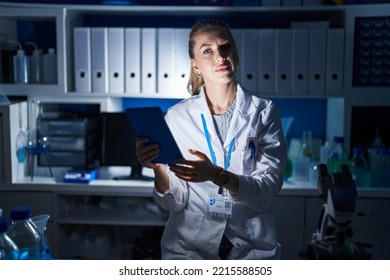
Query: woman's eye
pixel 207 51
pixel 225 47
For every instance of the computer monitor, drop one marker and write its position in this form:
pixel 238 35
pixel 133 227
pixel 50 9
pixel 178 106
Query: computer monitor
pixel 117 144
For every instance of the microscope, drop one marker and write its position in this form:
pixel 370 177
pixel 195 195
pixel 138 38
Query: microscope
pixel 333 237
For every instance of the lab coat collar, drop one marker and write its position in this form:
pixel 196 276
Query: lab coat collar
pixel 244 108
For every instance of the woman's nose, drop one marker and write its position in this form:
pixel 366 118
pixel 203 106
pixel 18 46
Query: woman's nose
pixel 220 58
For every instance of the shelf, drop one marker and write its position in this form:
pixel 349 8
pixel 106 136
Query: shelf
pixel 96 216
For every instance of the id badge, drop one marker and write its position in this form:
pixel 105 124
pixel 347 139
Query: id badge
pixel 220 206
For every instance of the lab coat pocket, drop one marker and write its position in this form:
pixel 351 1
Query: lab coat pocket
pixel 262 230
pixel 189 229
pixel 249 155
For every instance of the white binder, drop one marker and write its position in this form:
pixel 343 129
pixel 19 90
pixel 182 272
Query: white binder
pixel 82 59
pixel 317 60
pixel 148 60
pixel 116 61
pixel 165 60
pixel 335 62
pixel 300 61
pixel 249 59
pixel 133 60
pixel 99 59
pixel 266 69
pixel 236 33
pixel 182 62
pixel 283 61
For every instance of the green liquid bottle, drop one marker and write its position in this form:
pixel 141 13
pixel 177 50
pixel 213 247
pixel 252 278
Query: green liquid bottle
pixel 338 155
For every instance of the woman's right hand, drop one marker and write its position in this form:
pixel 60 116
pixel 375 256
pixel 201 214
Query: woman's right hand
pixel 146 152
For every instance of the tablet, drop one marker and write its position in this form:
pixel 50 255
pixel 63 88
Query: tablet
pixel 149 122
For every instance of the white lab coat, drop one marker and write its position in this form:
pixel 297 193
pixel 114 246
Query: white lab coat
pixel 190 232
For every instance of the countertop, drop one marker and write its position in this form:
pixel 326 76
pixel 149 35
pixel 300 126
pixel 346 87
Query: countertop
pixel 144 188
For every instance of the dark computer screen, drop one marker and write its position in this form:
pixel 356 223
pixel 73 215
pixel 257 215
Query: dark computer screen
pixel 117 144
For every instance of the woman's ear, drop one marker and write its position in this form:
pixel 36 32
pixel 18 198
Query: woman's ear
pixel 194 67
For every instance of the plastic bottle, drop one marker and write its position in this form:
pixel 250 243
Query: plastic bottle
pixel 24 233
pixel 36 65
pixel 338 155
pixel 8 248
pixel 21 65
pixel 359 167
pixel 50 67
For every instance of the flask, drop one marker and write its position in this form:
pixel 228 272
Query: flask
pixel 8 248
pixel 359 167
pixel 36 66
pixel 50 67
pixel 40 222
pixel 21 66
pixel 24 233
pixel 338 155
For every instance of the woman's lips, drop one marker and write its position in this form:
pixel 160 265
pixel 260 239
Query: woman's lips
pixel 222 68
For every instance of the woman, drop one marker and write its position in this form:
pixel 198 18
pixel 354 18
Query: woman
pixel 221 196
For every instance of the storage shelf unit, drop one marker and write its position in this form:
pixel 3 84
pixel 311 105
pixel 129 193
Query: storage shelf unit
pixel 68 17
pixel 301 222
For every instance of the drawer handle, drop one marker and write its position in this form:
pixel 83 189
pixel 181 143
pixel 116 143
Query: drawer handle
pixel 362 214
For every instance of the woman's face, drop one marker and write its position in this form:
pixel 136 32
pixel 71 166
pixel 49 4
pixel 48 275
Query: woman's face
pixel 215 56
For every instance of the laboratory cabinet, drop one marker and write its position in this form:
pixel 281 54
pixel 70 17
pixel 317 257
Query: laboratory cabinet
pixel 108 226
pixel 118 218
pixel 290 224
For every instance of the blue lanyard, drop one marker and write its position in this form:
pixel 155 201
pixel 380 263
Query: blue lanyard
pixel 212 154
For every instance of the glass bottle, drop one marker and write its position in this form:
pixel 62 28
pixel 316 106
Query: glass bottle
pixel 8 248
pixel 24 233
pixel 359 168
pixel 302 162
pixel 306 150
pixel 338 155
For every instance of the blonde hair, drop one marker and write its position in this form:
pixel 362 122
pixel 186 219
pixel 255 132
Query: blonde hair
pixel 195 82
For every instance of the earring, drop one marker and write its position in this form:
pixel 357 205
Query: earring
pixel 198 75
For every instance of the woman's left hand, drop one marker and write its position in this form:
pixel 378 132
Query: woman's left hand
pixel 195 170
